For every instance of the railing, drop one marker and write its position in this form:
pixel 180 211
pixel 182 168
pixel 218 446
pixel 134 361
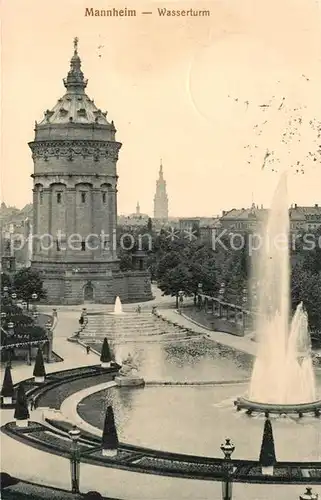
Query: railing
pixel 144 460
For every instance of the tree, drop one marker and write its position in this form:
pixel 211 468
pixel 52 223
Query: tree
pixel 105 356
pixel 175 280
pixel 39 369
pixel 202 269
pixel 149 224
pixel 126 260
pixel 26 282
pixel 109 437
pixel 21 408
pixel 267 453
pixel 311 256
pixel 5 281
pixel 195 229
pixel 306 288
pixel 168 262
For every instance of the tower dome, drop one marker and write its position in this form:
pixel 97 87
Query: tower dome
pixel 75 110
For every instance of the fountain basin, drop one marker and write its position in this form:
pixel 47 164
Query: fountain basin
pixel 129 381
pixel 300 409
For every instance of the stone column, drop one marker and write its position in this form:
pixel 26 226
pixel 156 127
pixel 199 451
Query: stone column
pixel 244 321
pixel 112 210
pixel 70 195
pixel 35 202
pixel 50 342
pixel 44 222
pixel 50 201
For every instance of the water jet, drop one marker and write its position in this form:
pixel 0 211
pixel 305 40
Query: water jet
pixel 283 378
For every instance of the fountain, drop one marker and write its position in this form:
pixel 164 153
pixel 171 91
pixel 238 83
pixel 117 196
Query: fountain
pixel 128 374
pixel 118 308
pixel 283 378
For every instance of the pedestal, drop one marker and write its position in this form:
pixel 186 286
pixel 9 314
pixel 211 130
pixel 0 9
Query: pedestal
pixel 130 381
pixel 268 471
pixel 109 453
pixel 227 488
pixel 22 423
pixel 75 474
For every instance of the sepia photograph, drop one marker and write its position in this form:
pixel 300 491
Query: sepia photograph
pixel 160 221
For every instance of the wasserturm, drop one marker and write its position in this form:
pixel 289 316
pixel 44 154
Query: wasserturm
pixel 75 154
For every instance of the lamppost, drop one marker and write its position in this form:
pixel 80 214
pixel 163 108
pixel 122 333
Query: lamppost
pixel 221 292
pixel 245 297
pixel 197 296
pixel 49 337
pixel 10 329
pixel 180 301
pixel 308 495
pixel 227 448
pixel 34 297
pixel 74 434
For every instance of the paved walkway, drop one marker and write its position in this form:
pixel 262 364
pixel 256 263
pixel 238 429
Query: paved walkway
pixel 73 355
pixel 69 412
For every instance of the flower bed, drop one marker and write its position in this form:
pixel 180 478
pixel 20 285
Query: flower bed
pixel 54 397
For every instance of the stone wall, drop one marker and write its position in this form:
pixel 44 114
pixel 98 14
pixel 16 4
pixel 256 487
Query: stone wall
pixel 68 288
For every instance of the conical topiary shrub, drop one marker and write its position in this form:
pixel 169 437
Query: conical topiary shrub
pixel 93 495
pixel 21 413
pixel 110 437
pixel 39 371
pixel 7 390
pixel 105 357
pixel 267 455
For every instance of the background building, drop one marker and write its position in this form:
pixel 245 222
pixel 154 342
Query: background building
pixel 302 219
pixel 134 220
pixel 161 198
pixel 16 230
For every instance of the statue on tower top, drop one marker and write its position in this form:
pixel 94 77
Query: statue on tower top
pixel 76 40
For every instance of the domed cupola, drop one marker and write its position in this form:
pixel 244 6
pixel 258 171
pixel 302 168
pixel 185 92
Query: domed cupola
pixel 75 110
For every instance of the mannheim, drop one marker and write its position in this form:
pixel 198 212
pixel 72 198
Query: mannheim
pixel 91 12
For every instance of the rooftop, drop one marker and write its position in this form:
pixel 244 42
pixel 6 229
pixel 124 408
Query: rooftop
pixel 75 106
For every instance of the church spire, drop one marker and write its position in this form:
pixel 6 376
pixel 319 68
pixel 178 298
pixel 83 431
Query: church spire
pixel 161 169
pixel 161 198
pixel 75 81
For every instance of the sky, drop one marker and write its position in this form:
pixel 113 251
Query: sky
pixel 202 93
